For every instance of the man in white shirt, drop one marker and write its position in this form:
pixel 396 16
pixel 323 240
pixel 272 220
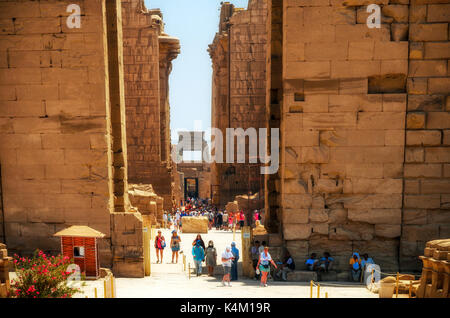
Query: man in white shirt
pixel 227 258
pixel 165 220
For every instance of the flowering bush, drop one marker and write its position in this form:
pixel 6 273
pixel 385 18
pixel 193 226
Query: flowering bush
pixel 42 277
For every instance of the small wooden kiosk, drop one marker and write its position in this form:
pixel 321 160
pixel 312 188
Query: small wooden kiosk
pixel 80 244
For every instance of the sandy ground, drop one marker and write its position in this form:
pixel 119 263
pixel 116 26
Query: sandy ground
pixel 170 281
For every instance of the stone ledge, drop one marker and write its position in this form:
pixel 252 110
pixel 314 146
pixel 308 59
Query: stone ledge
pixel 302 276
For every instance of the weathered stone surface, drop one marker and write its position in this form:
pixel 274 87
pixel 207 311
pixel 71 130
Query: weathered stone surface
pixel 302 276
pixel 375 216
pixel 296 231
pixel 232 206
pixel 195 224
pixel 386 230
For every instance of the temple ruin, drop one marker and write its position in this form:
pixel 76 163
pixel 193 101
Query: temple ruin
pixel 363 115
pixel 238 55
pixel 81 107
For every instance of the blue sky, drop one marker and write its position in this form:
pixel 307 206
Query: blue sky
pixel 195 23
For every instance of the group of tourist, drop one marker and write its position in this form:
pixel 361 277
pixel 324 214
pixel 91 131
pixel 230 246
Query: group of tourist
pixel 261 258
pixel 230 258
pixel 357 264
pixel 221 220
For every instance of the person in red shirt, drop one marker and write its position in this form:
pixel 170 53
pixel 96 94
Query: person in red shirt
pixel 242 219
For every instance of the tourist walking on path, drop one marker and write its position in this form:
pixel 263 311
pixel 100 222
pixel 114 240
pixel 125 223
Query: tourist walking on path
pixel 211 258
pixel 219 221
pixel 264 265
pixel 255 256
pixel 165 220
pixel 227 258
pixel 160 244
pixel 210 219
pixel 241 219
pixel 234 263
pixel 230 221
pixel 199 256
pixel 175 245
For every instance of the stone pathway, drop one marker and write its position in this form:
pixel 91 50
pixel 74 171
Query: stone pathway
pixel 170 281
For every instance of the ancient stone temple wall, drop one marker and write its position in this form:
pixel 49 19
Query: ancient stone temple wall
pixel 54 148
pixel 148 53
pixel 426 213
pixel 239 73
pixel 363 126
pixel 62 147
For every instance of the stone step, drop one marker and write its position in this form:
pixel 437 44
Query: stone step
pixel 302 276
pixel 331 276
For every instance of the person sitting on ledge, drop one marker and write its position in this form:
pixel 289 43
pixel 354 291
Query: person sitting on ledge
pixel 287 266
pixel 312 262
pixel 326 262
pixel 355 267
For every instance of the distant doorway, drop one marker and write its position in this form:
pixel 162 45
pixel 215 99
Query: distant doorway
pixel 190 188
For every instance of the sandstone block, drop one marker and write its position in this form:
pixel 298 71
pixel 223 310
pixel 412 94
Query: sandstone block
pixel 415 120
pixel 352 232
pixel 423 170
pixel 325 51
pixel 195 224
pixel 435 186
pixel 308 70
pixel 318 215
pixel 391 50
pixel 296 231
pixel 361 50
pixel 438 86
pixel 394 120
pixel 438 154
pixel 438 13
pixel 437 50
pixel 415 216
pixel 418 13
pixel 417 86
pixel 423 137
pixel 295 186
pixel 428 32
pixel 388 231
pixel 399 13
pixel 375 216
pixel 429 201
pixel 354 69
pixel 295 216
pixel 423 233
pixel 427 68
pixel 399 31
pixel 412 187
pixel 414 154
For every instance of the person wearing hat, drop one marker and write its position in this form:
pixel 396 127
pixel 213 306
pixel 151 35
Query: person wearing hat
pixel 199 256
pixel 234 263
pixel 175 245
pixel 160 244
